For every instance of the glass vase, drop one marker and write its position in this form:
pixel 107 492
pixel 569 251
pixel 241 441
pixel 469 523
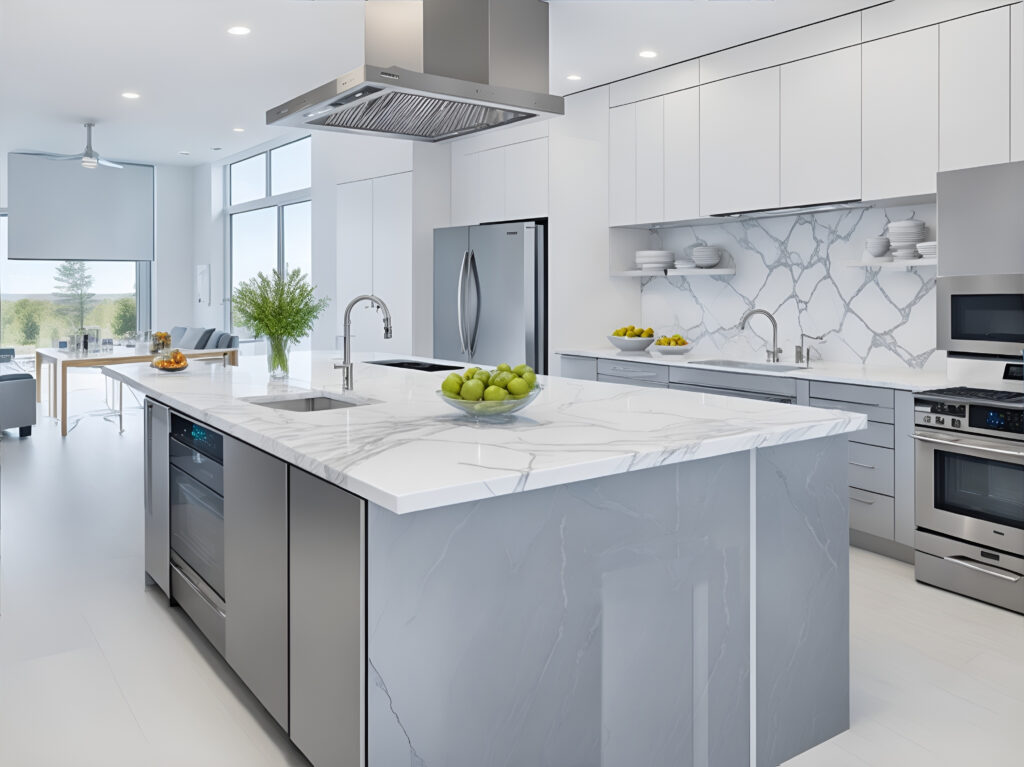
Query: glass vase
pixel 277 356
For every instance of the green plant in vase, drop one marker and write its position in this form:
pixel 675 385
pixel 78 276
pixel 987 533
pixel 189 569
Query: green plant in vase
pixel 281 308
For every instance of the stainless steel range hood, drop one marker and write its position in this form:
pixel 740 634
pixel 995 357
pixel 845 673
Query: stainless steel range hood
pixel 453 67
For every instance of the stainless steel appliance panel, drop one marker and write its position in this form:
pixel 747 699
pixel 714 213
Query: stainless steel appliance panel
pixel 204 611
pixel 991 576
pixel 256 572
pixel 451 261
pixel 197 465
pixel 157 496
pixel 982 314
pixel 197 528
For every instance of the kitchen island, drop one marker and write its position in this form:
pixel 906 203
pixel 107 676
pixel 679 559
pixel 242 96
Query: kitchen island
pixel 616 576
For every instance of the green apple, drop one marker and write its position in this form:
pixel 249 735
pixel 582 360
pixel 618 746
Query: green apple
pixel 530 377
pixel 452 384
pixel 482 376
pixel 470 372
pixel 517 386
pixel 501 378
pixel 505 367
pixel 472 390
pixel 520 369
pixel 495 394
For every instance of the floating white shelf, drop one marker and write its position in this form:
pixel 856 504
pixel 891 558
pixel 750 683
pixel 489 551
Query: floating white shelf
pixel 908 264
pixel 690 272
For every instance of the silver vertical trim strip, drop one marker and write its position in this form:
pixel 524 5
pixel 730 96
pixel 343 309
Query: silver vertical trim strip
pixel 701 676
pixel 753 607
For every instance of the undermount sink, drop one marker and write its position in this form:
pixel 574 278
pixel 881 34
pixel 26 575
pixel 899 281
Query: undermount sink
pixel 776 367
pixel 426 367
pixel 303 403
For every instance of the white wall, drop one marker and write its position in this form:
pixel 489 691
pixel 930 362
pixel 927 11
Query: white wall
pixel 431 208
pixel 208 242
pixel 172 267
pixel 584 303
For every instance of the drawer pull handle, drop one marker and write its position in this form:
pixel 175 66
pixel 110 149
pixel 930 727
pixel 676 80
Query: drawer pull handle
pixel 861 500
pixel 862 465
pixel 995 572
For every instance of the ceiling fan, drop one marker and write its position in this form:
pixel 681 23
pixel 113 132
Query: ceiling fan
pixel 89 158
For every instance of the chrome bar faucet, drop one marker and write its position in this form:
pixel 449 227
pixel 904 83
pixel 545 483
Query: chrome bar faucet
pixel 803 351
pixel 346 364
pixel 774 351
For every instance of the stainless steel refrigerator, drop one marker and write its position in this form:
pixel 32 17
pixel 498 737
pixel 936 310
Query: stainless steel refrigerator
pixel 490 301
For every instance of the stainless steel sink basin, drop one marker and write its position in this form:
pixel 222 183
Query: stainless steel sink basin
pixel 426 367
pixel 776 367
pixel 304 403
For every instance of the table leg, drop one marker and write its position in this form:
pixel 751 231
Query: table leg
pixel 53 388
pixel 234 357
pixel 39 377
pixel 120 407
pixel 63 400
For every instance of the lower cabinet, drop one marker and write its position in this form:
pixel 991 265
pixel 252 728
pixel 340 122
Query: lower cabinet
pixel 256 573
pixel 582 368
pixel 157 496
pixel 326 534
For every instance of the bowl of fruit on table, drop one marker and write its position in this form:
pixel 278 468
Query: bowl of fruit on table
pixel 482 393
pixel 631 338
pixel 672 345
pixel 171 360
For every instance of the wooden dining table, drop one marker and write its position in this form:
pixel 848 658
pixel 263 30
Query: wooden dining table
pixel 59 360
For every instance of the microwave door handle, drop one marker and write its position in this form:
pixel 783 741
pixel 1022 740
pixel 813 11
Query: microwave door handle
pixel 460 292
pixel 476 315
pixel 995 572
pixel 967 446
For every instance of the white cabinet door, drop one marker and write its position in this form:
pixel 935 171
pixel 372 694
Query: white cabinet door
pixel 739 143
pixel 355 256
pixel 682 155
pixel 465 188
pixel 622 165
pixel 974 88
pixel 650 161
pixel 392 260
pixel 526 179
pixel 1016 82
pixel 820 139
pixel 900 103
pixel 490 185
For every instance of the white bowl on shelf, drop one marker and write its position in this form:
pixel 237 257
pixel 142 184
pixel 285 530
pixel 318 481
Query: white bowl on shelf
pixel 705 257
pixel 877 246
pixel 630 344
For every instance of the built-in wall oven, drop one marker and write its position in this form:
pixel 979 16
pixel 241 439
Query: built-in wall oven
pixel 981 314
pixel 969 499
pixel 197 524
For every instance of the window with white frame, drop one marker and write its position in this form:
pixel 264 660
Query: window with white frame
pixel 269 223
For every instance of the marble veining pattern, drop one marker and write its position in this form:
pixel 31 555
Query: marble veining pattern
pixel 407 451
pixel 795 267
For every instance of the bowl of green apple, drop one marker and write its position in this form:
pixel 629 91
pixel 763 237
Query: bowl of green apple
pixel 483 393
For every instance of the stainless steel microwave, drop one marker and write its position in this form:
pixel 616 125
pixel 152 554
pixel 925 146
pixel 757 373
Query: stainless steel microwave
pixel 981 314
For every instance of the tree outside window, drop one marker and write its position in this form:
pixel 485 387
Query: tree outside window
pixel 72 291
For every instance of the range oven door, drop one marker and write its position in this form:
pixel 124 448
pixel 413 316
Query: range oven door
pixel 970 488
pixel 981 314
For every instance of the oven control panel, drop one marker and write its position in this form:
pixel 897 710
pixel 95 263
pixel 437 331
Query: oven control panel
pixel 996 419
pixel 969 417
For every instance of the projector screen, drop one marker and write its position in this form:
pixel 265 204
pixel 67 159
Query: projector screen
pixel 59 211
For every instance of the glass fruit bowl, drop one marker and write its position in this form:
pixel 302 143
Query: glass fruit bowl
pixel 171 360
pixel 490 408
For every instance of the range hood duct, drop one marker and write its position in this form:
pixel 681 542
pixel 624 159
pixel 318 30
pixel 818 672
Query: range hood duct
pixel 453 67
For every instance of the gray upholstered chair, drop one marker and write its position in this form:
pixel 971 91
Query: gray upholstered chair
pixel 176 333
pixel 18 402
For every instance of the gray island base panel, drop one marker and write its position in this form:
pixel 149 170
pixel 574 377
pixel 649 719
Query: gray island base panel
pixel 665 617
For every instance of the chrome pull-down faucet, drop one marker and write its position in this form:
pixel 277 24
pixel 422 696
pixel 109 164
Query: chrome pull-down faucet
pixel 774 351
pixel 346 364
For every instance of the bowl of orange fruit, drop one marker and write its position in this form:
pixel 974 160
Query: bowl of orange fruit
pixel 172 361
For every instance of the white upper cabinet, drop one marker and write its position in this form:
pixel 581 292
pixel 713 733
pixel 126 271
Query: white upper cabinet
pixel 650 161
pixel 974 83
pixel 526 179
pixel 682 155
pixel 465 188
pixel 820 114
pixel 622 165
pixel 900 103
pixel 490 185
pixel 739 143
pixel 506 182
pixel 1016 82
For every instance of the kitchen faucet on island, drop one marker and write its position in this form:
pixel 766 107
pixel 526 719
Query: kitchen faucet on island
pixel 346 364
pixel 774 351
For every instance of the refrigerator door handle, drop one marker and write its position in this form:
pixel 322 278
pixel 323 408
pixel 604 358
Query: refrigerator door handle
pixel 460 291
pixel 476 317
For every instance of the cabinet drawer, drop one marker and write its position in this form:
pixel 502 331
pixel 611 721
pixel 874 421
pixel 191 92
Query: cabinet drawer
pixel 584 368
pixel 748 382
pixel 873 412
pixel 871 468
pixel 640 371
pixel 877 434
pixel 633 382
pixel 865 395
pixel 872 513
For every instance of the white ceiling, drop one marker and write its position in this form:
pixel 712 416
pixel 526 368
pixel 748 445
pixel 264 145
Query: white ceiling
pixel 65 61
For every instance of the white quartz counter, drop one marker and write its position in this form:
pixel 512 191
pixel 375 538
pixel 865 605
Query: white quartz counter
pixel 906 379
pixel 407 450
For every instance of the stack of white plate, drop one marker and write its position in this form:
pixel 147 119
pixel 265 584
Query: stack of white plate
pixel 655 259
pixel 928 249
pixel 706 256
pixel 904 236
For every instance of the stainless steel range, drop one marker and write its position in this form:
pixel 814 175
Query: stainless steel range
pixel 969 507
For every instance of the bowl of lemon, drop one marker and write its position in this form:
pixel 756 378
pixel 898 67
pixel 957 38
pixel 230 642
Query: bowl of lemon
pixel 632 338
pixel 483 393
pixel 672 345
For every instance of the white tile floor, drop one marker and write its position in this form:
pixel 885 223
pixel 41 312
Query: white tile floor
pixel 96 670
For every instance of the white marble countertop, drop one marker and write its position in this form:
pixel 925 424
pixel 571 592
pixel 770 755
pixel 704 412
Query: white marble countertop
pixel 407 450
pixel 904 378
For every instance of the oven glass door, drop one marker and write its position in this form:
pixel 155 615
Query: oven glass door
pixel 197 528
pixel 984 488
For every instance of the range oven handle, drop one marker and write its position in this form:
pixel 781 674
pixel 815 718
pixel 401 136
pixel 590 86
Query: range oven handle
pixel 995 572
pixel 967 446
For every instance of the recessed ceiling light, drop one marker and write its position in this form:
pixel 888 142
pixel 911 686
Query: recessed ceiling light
pixel 238 130
pixel 648 54
pixel 184 153
pixel 129 95
pixel 574 78
pixel 240 31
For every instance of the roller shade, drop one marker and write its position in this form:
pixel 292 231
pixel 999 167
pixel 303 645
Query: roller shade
pixel 60 211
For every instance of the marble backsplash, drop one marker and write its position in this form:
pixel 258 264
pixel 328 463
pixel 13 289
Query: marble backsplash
pixel 796 267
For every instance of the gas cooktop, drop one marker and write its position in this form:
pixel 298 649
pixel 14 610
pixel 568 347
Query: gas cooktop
pixel 976 395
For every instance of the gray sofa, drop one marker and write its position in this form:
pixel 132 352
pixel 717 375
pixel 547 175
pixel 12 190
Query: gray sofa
pixel 17 396
pixel 202 338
